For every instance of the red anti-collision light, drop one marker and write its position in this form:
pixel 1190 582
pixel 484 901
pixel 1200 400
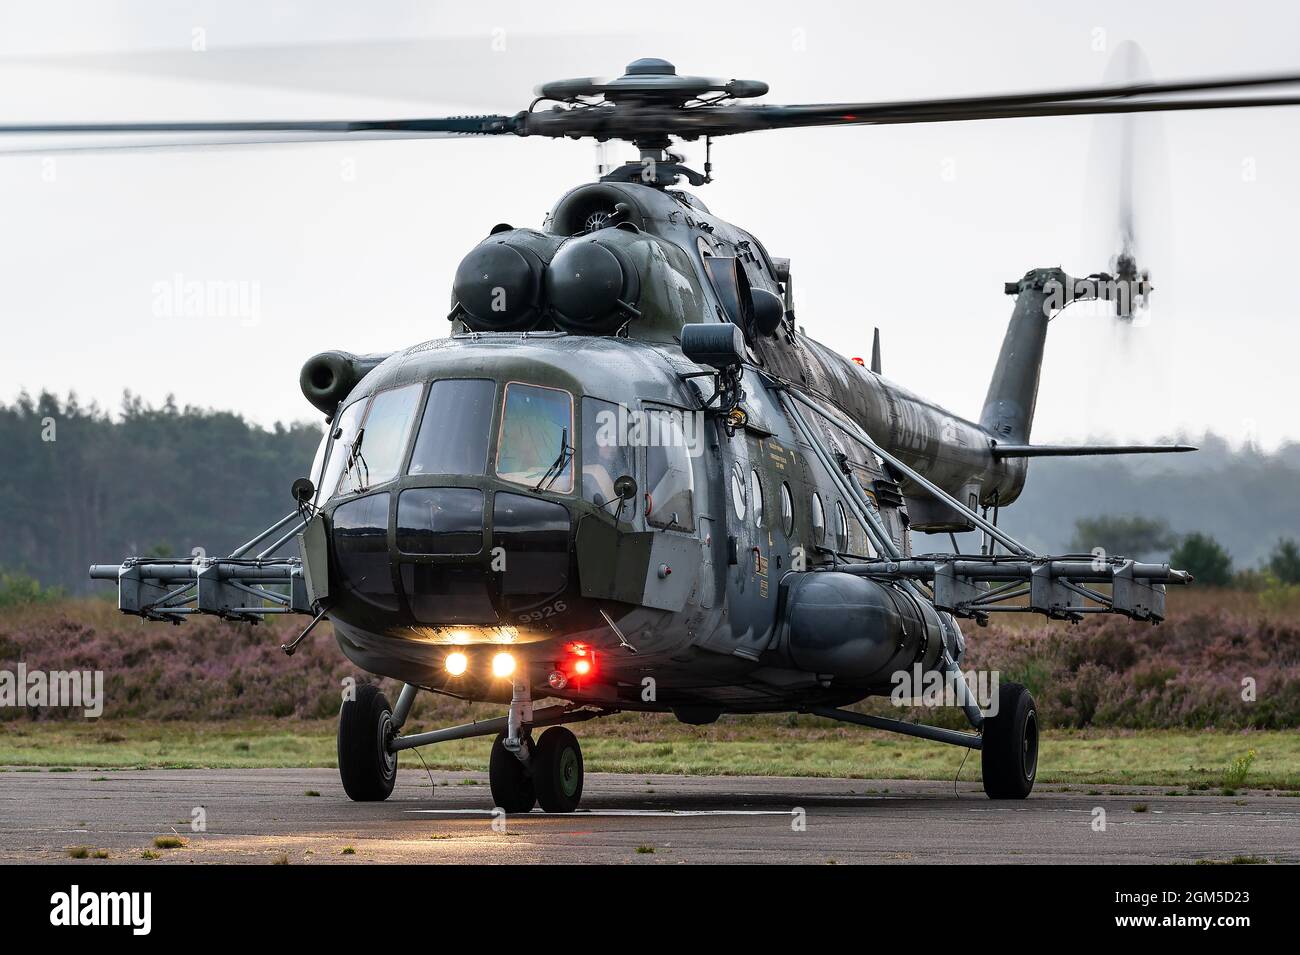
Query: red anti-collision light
pixel 580 662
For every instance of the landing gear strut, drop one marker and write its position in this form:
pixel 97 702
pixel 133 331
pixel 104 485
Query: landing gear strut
pixel 512 783
pixel 1007 741
pixel 510 769
pixel 522 773
pixel 552 778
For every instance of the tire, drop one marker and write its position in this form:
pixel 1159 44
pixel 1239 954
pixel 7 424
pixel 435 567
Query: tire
pixel 557 770
pixel 1010 750
pixel 512 786
pixel 366 766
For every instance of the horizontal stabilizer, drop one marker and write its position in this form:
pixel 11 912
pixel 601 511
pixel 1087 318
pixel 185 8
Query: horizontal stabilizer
pixel 1082 450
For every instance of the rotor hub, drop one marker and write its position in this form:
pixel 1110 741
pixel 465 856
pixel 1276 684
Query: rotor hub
pixel 650 81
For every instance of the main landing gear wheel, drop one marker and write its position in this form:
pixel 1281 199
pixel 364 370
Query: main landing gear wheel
pixel 366 765
pixel 557 770
pixel 1010 748
pixel 512 786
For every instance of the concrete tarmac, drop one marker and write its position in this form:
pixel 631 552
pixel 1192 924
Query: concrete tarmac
pixel 303 816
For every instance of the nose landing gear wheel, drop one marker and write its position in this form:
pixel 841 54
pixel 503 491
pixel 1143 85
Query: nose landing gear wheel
pixel 557 770
pixel 512 786
pixel 1010 748
pixel 366 765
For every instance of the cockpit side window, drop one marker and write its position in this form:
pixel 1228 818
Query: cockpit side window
pixel 536 443
pixel 608 452
pixel 376 454
pixel 344 437
pixel 318 462
pixel 670 479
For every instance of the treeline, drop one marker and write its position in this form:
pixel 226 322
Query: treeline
pixel 1133 535
pixel 80 486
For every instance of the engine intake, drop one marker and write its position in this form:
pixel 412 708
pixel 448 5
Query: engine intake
pixel 326 379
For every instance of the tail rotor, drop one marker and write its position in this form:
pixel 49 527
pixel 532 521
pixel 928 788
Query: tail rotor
pixel 1121 204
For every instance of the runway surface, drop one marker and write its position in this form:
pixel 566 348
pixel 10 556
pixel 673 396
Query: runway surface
pixel 266 815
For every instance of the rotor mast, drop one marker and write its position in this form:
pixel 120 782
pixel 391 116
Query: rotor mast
pixel 642 106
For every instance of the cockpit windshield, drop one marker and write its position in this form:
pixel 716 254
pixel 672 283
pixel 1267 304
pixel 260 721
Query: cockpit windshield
pixel 536 444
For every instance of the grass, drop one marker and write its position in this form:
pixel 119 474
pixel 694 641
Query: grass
pixel 1235 860
pixel 650 745
pixel 1235 775
pixel 168 842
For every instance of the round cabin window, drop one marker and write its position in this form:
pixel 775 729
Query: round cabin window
pixel 841 528
pixel 738 491
pixel 818 520
pixel 787 510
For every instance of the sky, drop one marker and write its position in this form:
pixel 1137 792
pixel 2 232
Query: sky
pixel 912 229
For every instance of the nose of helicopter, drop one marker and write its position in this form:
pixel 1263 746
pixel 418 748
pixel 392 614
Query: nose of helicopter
pixel 461 585
pixel 452 488
pixel 450 506
pixel 456 565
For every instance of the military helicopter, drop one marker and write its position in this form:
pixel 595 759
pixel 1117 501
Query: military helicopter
pixel 628 481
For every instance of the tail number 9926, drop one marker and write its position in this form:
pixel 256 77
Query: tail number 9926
pixel 543 613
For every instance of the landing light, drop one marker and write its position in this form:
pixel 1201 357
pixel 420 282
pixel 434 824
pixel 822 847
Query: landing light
pixel 456 663
pixel 503 664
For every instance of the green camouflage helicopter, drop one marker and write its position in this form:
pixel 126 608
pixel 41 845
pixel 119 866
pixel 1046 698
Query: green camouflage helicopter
pixel 627 481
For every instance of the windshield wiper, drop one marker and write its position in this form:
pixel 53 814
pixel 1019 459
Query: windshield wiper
pixel 557 466
pixel 355 457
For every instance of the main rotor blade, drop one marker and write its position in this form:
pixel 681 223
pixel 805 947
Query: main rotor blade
pixel 784 117
pixel 181 134
pixel 956 106
pixel 639 121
